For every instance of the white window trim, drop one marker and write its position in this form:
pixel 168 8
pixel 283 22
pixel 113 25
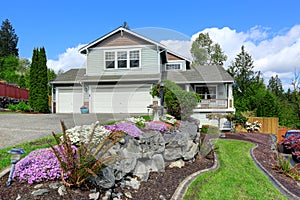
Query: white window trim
pixel 216 86
pixel 128 58
pixel 172 63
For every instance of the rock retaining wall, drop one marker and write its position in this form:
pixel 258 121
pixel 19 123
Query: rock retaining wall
pixel 150 152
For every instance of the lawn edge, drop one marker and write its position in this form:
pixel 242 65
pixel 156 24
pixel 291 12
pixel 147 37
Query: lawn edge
pixel 183 186
pixel 273 180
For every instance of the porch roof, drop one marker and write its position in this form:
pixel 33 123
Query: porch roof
pixel 199 74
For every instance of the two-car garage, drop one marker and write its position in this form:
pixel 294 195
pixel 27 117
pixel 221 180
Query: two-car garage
pixel 105 99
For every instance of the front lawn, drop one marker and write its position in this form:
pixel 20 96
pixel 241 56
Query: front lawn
pixel 236 178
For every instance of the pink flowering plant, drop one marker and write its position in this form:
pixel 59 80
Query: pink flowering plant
pixel 128 128
pixel 38 166
pixel 158 126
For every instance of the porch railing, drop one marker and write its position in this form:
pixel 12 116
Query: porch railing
pixel 213 103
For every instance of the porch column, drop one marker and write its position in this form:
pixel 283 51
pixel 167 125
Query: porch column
pixel 230 96
pixel 187 87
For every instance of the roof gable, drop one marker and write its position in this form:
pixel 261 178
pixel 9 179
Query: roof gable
pixel 119 37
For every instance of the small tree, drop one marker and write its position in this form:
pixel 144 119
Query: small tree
pixel 204 52
pixel 179 102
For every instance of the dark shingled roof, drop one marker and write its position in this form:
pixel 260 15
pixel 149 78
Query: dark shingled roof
pixel 78 75
pixel 71 76
pixel 199 74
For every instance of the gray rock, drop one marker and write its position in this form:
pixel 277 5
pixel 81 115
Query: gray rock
pixel 38 186
pixel 190 150
pixel 178 163
pixel 62 190
pixel 128 195
pixel 105 179
pixel 142 170
pixel 54 185
pixel 94 196
pixel 40 192
pixel 133 182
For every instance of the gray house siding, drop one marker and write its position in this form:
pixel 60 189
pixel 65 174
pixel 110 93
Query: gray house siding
pixel 149 62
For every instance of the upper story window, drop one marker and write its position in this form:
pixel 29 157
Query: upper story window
pixel 110 60
pixel 124 59
pixel 173 66
pixel 207 92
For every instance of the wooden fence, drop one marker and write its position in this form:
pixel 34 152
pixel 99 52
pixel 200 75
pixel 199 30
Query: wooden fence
pixel 269 124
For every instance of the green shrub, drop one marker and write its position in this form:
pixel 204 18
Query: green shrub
pixel 179 103
pixel 12 107
pixel 204 129
pixel 239 119
pixel 22 106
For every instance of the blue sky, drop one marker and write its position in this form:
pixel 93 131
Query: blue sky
pixel 268 29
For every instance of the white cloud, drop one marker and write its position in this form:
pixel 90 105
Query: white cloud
pixel 272 53
pixel 68 60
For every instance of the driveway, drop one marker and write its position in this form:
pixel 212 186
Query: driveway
pixel 18 128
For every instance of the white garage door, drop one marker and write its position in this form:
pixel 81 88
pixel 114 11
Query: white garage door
pixel 69 100
pixel 121 100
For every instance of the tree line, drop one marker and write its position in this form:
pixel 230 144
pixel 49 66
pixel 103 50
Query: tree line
pixel 33 75
pixel 252 97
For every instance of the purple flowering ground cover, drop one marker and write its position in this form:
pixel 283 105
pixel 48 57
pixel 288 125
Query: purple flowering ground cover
pixel 126 127
pixel 39 165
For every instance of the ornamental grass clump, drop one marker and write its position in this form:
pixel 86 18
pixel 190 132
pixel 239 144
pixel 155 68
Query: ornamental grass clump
pixel 89 158
pixel 125 127
pixel 38 166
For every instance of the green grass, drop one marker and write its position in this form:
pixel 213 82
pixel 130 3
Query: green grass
pixel 236 178
pixel 27 146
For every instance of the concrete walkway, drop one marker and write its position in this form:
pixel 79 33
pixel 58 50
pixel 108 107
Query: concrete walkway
pixel 18 128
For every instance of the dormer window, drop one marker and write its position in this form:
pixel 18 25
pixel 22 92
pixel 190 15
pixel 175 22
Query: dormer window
pixel 173 66
pixel 122 59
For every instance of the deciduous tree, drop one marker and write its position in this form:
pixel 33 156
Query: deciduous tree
pixel 205 52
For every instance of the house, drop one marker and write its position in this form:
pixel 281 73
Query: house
pixel 122 67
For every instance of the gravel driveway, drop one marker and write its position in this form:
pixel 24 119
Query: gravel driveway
pixel 18 128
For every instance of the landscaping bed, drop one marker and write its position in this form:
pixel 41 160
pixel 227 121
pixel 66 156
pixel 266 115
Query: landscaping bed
pixel 160 184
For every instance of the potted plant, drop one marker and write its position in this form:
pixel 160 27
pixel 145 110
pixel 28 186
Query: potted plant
pixel 84 109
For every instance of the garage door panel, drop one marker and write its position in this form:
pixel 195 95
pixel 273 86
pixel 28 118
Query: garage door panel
pixel 121 100
pixel 69 101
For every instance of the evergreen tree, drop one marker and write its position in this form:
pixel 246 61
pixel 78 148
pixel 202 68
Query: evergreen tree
pixel 38 93
pixel 247 81
pixel 275 86
pixel 205 52
pixel 8 40
pixel 33 80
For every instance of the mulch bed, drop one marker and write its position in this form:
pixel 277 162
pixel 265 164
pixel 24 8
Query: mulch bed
pixel 161 184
